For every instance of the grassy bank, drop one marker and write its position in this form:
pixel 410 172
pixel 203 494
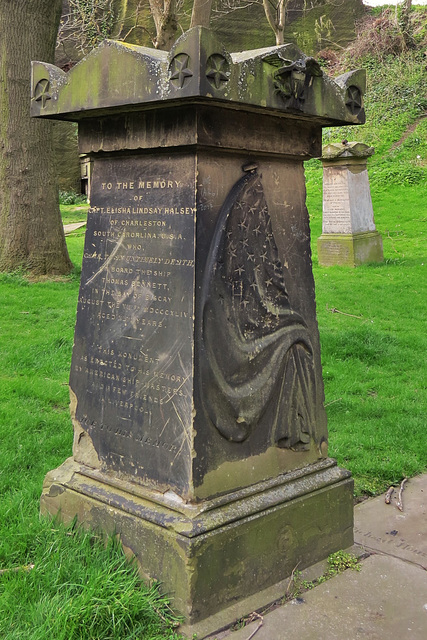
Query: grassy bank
pixel 55 582
pixel 374 345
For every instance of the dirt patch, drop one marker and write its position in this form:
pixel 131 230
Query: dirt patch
pixel 408 132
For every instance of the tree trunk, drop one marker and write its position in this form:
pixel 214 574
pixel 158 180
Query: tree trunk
pixel 405 23
pixel 275 11
pixel 31 231
pixel 201 13
pixel 166 21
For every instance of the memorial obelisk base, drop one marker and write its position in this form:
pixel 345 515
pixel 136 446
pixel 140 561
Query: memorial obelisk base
pixel 240 547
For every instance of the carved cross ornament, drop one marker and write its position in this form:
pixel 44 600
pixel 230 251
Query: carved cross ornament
pixel 41 92
pixel 354 100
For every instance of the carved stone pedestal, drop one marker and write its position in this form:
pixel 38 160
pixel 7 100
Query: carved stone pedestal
pixel 196 390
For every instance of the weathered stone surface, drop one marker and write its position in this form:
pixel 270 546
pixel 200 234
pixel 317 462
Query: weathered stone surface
pixel 349 236
pixel 196 126
pixel 384 528
pixel 347 204
pixel 386 599
pixel 147 323
pixel 196 390
pixel 349 249
pixel 338 151
pixel 217 553
pixel 198 68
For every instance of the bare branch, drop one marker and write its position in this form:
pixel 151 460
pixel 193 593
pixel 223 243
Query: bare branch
pixel 276 12
pixel 399 503
pixel 350 315
pixel 86 24
pixel 388 495
pixel 254 616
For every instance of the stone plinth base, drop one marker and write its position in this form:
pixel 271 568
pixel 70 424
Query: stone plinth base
pixel 213 555
pixel 349 249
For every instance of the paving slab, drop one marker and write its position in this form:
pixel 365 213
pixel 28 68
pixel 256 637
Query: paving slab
pixel 386 599
pixel 403 534
pixel 68 228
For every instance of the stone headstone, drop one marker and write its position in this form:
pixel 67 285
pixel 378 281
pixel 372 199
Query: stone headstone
pixel 200 435
pixel 349 236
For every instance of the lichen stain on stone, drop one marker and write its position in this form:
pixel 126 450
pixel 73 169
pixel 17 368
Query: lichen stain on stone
pixel 356 169
pixel 83 447
pixel 257 468
pixel 55 490
pixel 323 449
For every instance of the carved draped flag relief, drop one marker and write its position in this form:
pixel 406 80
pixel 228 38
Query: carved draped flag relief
pixel 256 362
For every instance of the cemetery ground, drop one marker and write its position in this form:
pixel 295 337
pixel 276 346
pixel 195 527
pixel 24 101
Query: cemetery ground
pixel 62 583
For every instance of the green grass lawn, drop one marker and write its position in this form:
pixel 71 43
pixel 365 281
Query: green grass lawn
pixel 373 354
pixel 374 364
pixel 79 588
pixel 73 212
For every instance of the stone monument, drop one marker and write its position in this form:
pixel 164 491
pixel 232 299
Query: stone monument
pixel 200 435
pixel 349 236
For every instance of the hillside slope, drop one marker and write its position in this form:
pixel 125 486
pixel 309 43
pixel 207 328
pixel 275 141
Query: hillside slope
pixel 396 98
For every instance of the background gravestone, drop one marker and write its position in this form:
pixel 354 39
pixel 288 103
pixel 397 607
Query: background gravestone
pixel 196 390
pixel 349 236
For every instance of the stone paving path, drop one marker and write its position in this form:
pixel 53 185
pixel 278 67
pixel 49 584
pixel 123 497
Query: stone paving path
pixel 68 228
pixel 386 599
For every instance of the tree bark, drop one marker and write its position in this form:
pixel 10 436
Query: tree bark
pixel 405 23
pixel 31 231
pixel 166 22
pixel 201 13
pixel 275 11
